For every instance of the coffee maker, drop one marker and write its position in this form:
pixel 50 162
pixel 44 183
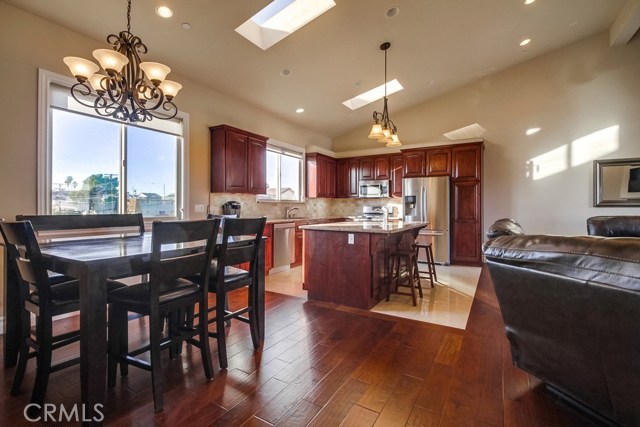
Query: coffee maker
pixel 231 208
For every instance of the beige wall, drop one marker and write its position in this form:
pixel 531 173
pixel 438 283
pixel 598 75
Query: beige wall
pixel 571 94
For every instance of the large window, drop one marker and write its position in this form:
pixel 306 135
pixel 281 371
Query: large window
pixel 92 165
pixel 284 174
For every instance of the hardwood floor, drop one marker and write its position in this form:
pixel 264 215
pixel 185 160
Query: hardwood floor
pixel 324 365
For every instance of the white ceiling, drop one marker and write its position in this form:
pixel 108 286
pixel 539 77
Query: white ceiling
pixel 436 46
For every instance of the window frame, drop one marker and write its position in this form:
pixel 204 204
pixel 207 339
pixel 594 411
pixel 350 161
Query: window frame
pixel 44 150
pixel 284 148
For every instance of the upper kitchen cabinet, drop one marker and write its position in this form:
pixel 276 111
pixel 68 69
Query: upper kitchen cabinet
pixel 347 171
pixel 238 161
pixel 414 163
pixel 374 167
pixel 395 162
pixel 321 175
pixel 438 162
pixel 467 162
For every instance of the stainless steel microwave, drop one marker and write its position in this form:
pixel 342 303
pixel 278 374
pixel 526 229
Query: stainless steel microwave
pixel 374 188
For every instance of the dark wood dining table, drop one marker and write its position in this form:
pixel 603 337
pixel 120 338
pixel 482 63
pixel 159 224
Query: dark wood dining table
pixel 92 261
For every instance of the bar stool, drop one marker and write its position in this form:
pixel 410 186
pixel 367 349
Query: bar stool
pixel 431 265
pixel 409 259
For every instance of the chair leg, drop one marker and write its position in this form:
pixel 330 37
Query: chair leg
pixel 44 334
pixel 412 285
pixel 221 298
pixel 155 336
pixel 205 351
pixel 432 266
pixel 253 319
pixel 23 357
pixel 416 275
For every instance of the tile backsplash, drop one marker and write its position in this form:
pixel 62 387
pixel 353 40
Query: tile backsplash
pixel 311 208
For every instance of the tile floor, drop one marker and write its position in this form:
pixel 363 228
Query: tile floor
pixel 447 304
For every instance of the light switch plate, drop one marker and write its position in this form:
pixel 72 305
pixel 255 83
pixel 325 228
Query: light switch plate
pixel 199 208
pixel 350 239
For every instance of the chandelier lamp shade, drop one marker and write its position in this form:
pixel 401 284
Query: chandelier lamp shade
pixel 129 90
pixel 383 129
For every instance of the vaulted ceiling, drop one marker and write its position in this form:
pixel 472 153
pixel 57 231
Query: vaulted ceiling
pixel 436 46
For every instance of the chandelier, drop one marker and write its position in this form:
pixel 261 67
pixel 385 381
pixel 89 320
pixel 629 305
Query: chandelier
pixel 383 129
pixel 131 90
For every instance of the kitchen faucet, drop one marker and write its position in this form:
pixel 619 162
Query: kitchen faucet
pixel 387 212
pixel 289 210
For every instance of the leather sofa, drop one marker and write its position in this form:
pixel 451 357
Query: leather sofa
pixel 614 226
pixel 571 308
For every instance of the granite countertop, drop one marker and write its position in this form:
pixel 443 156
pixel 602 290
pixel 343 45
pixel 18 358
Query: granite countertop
pixel 296 219
pixel 366 227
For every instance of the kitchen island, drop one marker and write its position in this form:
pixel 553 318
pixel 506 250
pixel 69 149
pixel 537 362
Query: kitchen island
pixel 347 263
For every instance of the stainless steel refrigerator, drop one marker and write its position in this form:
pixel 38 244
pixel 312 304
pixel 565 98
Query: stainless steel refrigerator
pixel 427 200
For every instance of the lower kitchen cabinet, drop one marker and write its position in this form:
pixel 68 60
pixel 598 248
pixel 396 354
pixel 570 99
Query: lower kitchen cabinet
pixel 268 248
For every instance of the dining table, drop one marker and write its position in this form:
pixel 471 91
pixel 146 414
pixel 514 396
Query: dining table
pixel 92 261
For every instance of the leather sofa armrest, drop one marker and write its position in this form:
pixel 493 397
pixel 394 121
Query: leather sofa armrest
pixel 614 226
pixel 504 227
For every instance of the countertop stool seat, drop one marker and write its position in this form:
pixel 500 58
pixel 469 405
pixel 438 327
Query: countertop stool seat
pixel 409 260
pixel 431 265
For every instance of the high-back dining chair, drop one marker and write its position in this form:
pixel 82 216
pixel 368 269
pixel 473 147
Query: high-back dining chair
pixel 236 249
pixel 166 293
pixel 72 225
pixel 45 299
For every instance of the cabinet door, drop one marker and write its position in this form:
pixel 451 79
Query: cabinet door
pixel 322 176
pixel 298 249
pixel 467 162
pixel 236 163
pixel 381 167
pixel 257 166
pixel 414 164
pixel 466 217
pixel 354 181
pixel 342 178
pixel 268 248
pixel 366 168
pixel 396 175
pixel 331 178
pixel 439 162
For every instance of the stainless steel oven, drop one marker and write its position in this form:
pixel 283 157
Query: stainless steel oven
pixel 374 188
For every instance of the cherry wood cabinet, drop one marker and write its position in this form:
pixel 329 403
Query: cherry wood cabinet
pixel 466 200
pixel 268 248
pixel 395 163
pixel 366 168
pixel 342 178
pixel 438 162
pixel 321 175
pixel 414 163
pixel 381 167
pixel 238 161
pixel 467 162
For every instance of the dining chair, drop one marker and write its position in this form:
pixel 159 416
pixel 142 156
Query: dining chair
pixel 236 249
pixel 45 299
pixel 166 293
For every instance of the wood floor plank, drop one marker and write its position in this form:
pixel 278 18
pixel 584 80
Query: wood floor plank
pixel 398 408
pixel 422 417
pixel 359 417
pixel 337 408
pixel 300 415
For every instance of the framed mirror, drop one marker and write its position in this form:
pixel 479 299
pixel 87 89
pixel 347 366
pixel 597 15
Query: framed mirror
pixel 616 182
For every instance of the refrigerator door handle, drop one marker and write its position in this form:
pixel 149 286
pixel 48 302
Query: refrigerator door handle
pixel 423 214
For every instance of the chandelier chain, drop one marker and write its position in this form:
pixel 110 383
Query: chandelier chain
pixel 129 16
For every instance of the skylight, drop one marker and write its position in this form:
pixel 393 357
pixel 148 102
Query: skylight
pixel 373 95
pixel 281 18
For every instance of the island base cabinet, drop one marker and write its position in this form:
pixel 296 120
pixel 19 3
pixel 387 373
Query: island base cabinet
pixel 351 274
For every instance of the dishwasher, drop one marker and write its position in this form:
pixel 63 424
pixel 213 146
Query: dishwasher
pixel 284 246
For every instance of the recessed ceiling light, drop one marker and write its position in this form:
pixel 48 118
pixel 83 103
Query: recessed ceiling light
pixel 373 95
pixel 300 110
pixel 532 131
pixel 164 11
pixel 285 72
pixel 525 42
pixel 186 26
pixel 392 12
pixel 528 1
pixel 281 18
